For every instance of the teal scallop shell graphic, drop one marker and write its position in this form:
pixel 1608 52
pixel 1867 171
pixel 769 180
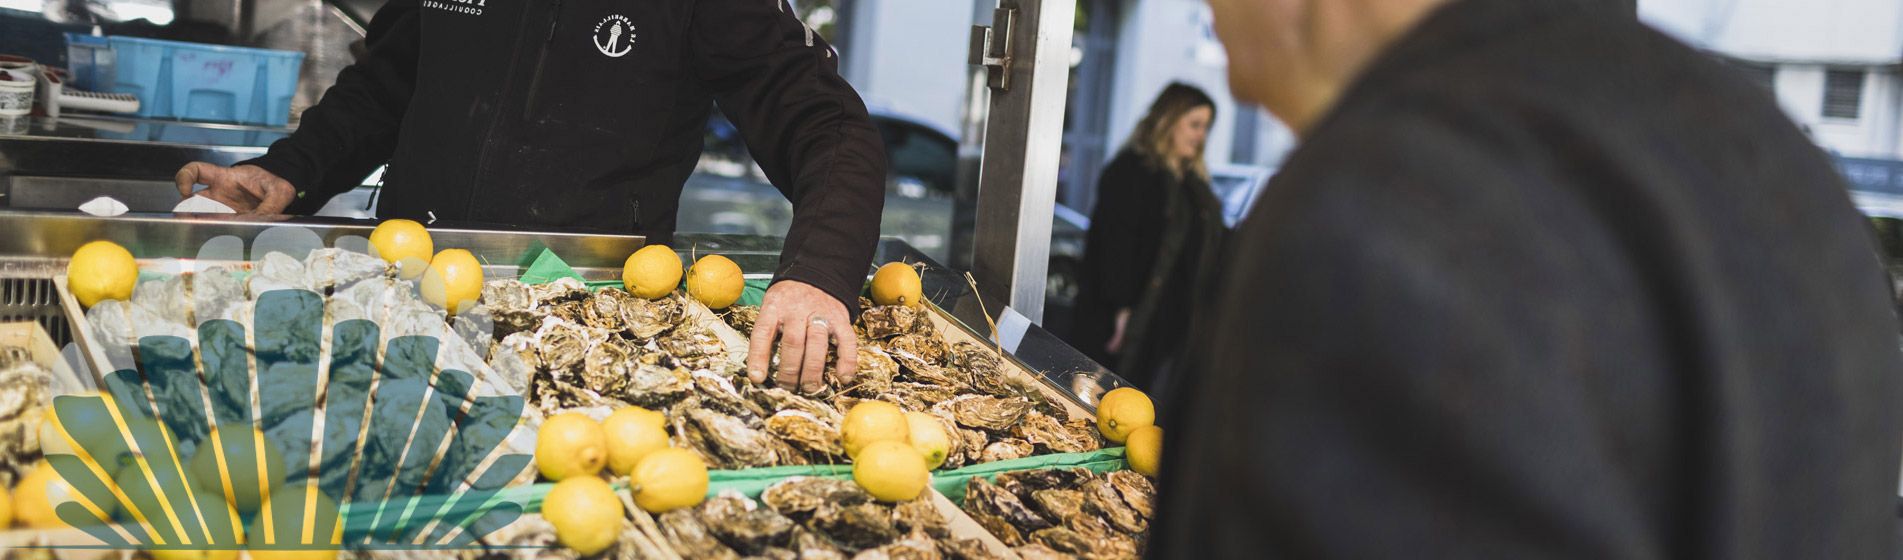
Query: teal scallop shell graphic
pixel 329 435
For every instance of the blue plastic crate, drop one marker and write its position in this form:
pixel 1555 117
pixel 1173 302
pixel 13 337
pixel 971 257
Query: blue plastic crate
pixel 201 82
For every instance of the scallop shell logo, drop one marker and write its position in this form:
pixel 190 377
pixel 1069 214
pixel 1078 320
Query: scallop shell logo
pixel 373 422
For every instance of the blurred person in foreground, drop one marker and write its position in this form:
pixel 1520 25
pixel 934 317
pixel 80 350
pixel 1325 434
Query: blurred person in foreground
pixel 1540 282
pixel 1153 238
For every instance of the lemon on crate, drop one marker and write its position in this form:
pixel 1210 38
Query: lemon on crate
pixel 403 243
pixel 715 281
pixel 1144 450
pixel 928 436
pixel 453 281
pixel 872 421
pixel 585 512
pixel 891 471
pixel 668 479
pixel 6 508
pixel 241 473
pixel 897 284
pixel 37 495
pixel 652 272
pixel 632 433
pixel 570 444
pixel 101 270
pixel 1122 410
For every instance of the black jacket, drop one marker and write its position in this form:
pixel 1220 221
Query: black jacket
pixel 1150 241
pixel 589 114
pixel 1543 284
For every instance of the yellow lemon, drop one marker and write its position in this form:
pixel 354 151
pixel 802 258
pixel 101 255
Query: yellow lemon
pixel 1144 450
pixel 652 272
pixel 715 280
pixel 891 471
pixel 6 508
pixel 403 243
pixel 668 479
pixel 928 437
pixel 633 432
pixel 293 532
pixel 42 489
pixel 896 284
pixel 873 421
pixel 585 512
pixel 55 439
pixel 1124 409
pixel 453 281
pixel 570 444
pixel 249 469
pixel 100 271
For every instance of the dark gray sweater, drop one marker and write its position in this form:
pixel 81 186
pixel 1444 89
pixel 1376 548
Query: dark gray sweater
pixel 1544 284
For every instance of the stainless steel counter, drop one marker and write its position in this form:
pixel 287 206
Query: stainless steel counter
pixel 59 163
pixel 34 246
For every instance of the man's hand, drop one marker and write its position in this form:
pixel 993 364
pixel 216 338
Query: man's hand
pixel 249 189
pixel 806 321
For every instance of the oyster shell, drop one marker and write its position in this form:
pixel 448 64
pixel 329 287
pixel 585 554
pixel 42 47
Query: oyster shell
pixel 653 386
pixel 1066 541
pixel 1045 432
pixel 802 495
pixel 965 549
pixel 805 433
pixel 603 309
pixel 927 348
pixel 735 443
pixel 911 547
pixel 987 413
pixel 647 318
pixel 1006 449
pixel 1103 499
pixel 718 391
pixel 691 539
pixel 562 345
pixel 855 527
pixel 924 395
pixel 1040 552
pixel 776 399
pixel 875 375
pixel 1062 505
pixel 984 498
pixel 920 515
pixel 740 524
pixel 695 346
pixel 810 546
pixel 983 369
pixel 971 442
pixel 997 526
pixel 608 367
pixel 887 321
pixel 1136 490
pixel 558 291
pixel 1023 483
pixel 742 318
pixel 931 374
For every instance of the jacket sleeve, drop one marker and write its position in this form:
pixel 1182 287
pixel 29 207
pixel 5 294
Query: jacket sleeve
pixel 779 83
pixel 1127 225
pixel 361 111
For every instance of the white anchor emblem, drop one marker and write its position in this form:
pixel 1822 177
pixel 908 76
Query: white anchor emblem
pixel 612 43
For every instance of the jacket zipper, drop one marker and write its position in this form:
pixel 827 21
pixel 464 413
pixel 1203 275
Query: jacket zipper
pixel 541 61
pixel 489 131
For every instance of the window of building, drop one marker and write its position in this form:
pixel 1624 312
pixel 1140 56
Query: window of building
pixel 1843 94
pixel 1764 75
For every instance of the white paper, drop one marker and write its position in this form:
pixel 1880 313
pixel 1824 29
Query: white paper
pixel 1011 327
pixel 198 204
pixel 103 206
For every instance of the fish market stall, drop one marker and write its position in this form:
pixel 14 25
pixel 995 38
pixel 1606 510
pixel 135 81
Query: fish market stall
pixel 535 410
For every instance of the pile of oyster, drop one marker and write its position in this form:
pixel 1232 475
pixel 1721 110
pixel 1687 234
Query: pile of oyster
pixel 1062 513
pixel 25 392
pixel 594 351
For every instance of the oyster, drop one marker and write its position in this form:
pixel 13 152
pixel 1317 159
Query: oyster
pixel 1006 449
pixel 997 526
pixel 931 374
pixel 775 399
pixel 558 291
pixel 924 393
pixel 647 318
pixel 691 538
pixel 742 318
pixel 1066 541
pixel 1040 552
pixel 718 391
pixel 1023 483
pixel 1062 505
pixel 1044 431
pixel 927 348
pixel 802 495
pixel 810 546
pixel 887 321
pixel 983 369
pixel 984 498
pixel 965 549
pixel 694 345
pixel 603 309
pixel 562 345
pixel 971 442
pixel 805 432
pixel 987 413
pixel 855 527
pixel 911 547
pixel 740 524
pixel 608 367
pixel 875 375
pixel 1103 499
pixel 1137 491
pixel 653 386
pixel 921 515
pixel 730 438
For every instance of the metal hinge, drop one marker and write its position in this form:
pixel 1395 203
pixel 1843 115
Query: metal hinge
pixel 991 47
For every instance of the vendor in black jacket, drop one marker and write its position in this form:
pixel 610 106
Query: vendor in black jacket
pixel 589 113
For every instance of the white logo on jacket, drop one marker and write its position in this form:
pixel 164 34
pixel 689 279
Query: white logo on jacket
pixel 614 36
